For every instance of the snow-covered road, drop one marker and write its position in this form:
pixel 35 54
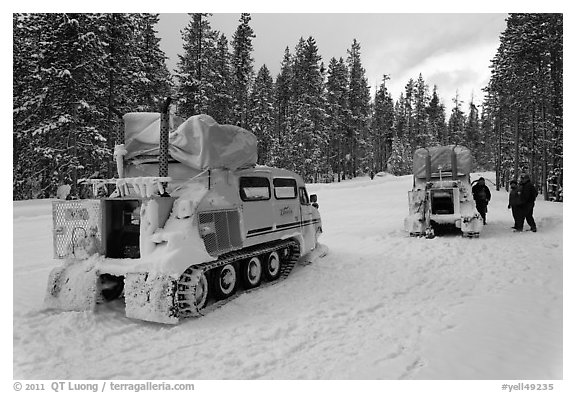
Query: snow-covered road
pixel 380 305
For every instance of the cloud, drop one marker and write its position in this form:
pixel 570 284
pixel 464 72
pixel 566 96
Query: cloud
pixel 450 50
pixel 453 69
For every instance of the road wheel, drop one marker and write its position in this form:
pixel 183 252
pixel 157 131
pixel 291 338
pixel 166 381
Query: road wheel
pixel 252 272
pixel 193 292
pixel 201 292
pixel 225 281
pixel 272 266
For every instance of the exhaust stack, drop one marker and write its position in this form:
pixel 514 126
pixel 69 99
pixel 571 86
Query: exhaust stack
pixel 164 128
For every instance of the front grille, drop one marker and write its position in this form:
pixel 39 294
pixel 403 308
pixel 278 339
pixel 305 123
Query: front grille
pixel 77 228
pixel 220 231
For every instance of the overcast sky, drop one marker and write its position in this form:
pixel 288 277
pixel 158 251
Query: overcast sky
pixel 452 51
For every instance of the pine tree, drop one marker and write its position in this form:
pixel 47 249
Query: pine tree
pixel 69 70
pixel 423 136
pixel 306 123
pixel 337 113
pixel 359 104
pixel 242 68
pixel 121 81
pixel 472 128
pixel 456 123
pixel 382 126
pixel 400 161
pixel 195 65
pixel 524 96
pixel 408 114
pixel 220 105
pixel 28 97
pixel 68 59
pixel 261 115
pixel 283 91
pixel 437 119
pixel 153 83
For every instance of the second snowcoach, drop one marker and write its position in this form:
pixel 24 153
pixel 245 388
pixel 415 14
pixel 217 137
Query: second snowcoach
pixel 192 220
pixel 442 192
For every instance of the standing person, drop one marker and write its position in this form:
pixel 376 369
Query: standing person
pixel 482 196
pixel 528 196
pixel 515 203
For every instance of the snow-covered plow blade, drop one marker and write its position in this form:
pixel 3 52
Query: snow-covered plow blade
pixel 151 298
pixel 74 287
pixel 77 234
pixel 79 287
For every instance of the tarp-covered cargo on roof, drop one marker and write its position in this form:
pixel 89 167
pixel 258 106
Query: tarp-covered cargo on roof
pixel 441 157
pixel 198 142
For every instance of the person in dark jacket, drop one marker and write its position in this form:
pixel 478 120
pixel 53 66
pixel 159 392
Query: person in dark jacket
pixel 515 203
pixel 482 196
pixel 528 196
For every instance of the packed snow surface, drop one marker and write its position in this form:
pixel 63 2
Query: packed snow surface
pixel 380 305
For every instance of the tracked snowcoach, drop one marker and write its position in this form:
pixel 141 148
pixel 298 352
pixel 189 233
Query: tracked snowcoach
pixel 192 221
pixel 442 193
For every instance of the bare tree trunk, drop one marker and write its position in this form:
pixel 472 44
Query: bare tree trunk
pixel 73 142
pixel 517 144
pixel 545 148
pixel 499 158
pixel 532 143
pixel 110 142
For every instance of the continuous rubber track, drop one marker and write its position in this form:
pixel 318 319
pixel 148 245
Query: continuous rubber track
pixel 185 301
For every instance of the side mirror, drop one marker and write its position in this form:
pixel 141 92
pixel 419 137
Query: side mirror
pixel 313 198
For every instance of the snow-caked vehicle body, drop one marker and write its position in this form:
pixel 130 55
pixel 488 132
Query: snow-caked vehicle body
pixel 192 221
pixel 442 192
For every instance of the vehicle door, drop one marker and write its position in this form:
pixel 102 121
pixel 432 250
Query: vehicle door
pixel 286 204
pixel 255 193
pixel 307 220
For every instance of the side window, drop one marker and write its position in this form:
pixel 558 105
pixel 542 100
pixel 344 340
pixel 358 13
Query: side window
pixel 285 188
pixel 304 200
pixel 254 188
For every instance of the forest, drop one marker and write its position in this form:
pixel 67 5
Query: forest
pixel 74 75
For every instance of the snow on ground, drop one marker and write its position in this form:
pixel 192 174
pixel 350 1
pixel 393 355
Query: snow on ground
pixel 380 305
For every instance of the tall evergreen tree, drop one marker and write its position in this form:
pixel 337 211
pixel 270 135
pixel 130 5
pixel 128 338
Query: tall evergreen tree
pixel 408 114
pixel 421 100
pixel 69 70
pixel 437 118
pixel 220 107
pixel 261 115
pixel 29 96
pixel 382 126
pixel 359 104
pixel 337 113
pixel 153 83
pixel 472 127
pixel 306 122
pixel 195 65
pixel 242 68
pixel 524 96
pixel 67 144
pixel 121 81
pixel 283 91
pixel 456 123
